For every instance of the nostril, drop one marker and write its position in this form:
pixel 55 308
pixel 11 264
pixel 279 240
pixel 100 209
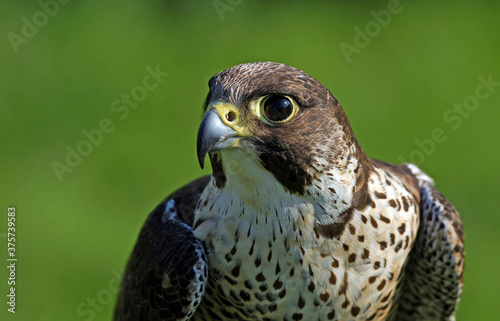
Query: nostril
pixel 231 116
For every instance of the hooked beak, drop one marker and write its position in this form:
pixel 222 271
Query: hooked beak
pixel 213 135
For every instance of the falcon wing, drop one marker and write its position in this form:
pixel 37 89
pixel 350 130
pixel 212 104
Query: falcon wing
pixel 434 273
pixel 166 273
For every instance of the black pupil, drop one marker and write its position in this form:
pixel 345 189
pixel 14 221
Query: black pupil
pixel 278 108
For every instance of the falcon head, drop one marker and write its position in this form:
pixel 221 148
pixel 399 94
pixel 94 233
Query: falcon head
pixel 273 118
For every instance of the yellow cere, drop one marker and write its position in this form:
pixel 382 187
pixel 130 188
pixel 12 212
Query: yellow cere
pixel 230 116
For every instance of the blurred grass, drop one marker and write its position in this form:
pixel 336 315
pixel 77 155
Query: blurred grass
pixel 73 234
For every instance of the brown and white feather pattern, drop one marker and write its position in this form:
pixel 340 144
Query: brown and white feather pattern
pixel 296 223
pixel 434 276
pixel 271 260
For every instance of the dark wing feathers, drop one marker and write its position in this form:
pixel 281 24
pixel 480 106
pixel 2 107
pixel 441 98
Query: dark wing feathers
pixel 165 276
pixel 434 273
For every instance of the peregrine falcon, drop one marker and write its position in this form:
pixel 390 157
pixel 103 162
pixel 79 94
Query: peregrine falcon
pixel 295 222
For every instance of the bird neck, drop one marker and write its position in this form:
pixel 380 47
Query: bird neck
pixel 247 184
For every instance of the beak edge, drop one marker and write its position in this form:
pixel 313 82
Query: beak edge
pixel 211 134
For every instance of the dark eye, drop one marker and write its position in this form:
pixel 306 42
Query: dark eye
pixel 278 108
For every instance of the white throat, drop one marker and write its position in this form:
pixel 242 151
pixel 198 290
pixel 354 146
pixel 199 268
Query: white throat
pixel 251 187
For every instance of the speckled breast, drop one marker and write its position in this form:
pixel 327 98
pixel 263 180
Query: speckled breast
pixel 274 265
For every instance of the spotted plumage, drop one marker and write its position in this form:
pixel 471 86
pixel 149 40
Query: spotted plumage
pixel 295 222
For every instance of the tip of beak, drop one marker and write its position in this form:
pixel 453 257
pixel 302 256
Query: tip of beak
pixel 201 147
pixel 201 160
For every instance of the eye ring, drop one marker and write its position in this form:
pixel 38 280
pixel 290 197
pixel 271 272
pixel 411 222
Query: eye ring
pixel 277 109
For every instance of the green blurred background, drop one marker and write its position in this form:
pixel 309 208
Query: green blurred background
pixel 62 77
